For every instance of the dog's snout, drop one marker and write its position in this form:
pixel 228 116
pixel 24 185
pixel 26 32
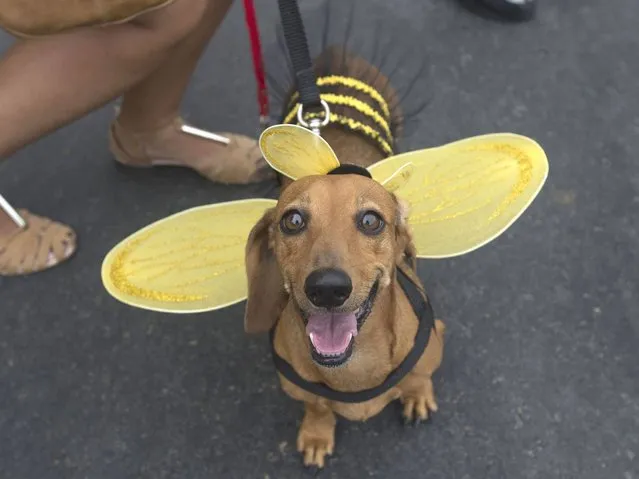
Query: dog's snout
pixel 328 288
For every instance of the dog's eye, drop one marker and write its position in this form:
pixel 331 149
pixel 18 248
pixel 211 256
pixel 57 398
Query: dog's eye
pixel 292 222
pixel 370 223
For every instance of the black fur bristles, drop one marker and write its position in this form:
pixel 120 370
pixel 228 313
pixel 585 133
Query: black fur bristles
pixel 361 40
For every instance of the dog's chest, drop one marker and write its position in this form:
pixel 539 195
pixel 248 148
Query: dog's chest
pixel 360 411
pixel 368 409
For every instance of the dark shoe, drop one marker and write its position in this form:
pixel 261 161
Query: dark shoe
pixel 510 10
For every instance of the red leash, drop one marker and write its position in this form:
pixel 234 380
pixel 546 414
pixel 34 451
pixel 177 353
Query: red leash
pixel 258 61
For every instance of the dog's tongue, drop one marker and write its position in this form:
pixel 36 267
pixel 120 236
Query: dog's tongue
pixel 331 333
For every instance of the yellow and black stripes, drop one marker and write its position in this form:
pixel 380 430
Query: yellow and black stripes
pixel 355 106
pixel 351 102
pixel 354 83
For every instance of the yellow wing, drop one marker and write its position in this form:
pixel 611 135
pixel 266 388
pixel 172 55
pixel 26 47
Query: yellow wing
pixel 465 194
pixel 392 176
pixel 296 152
pixel 190 262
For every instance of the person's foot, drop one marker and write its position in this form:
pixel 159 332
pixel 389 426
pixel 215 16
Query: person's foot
pixel 222 158
pixel 41 245
pixel 511 10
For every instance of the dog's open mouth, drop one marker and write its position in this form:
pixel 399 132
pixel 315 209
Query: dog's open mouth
pixel 332 334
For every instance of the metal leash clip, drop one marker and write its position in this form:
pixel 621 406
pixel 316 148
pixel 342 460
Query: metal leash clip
pixel 315 123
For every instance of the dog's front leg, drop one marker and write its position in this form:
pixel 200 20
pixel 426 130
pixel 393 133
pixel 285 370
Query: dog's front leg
pixel 418 399
pixel 316 437
pixel 417 393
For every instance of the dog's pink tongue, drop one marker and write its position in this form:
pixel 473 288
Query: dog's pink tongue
pixel 331 332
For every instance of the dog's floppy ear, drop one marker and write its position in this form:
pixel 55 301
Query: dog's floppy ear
pixel 266 295
pixel 406 252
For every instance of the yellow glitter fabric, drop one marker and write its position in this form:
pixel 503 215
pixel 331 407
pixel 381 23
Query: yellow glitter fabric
pixel 460 196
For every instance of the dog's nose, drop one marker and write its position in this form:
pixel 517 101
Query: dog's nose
pixel 328 288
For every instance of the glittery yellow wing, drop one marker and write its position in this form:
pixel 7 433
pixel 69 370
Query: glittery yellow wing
pixel 465 194
pixel 189 262
pixel 296 152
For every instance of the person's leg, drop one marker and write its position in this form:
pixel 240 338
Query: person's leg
pixel 46 83
pixel 49 82
pixel 149 128
pixel 155 101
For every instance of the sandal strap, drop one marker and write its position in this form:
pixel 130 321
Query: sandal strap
pixel 42 245
pixel 12 213
pixel 207 135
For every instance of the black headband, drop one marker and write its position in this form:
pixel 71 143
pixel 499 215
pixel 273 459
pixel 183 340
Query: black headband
pixel 347 169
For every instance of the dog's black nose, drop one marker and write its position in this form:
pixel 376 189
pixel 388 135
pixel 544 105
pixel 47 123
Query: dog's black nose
pixel 328 288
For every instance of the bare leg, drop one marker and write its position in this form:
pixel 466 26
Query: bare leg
pixel 148 130
pixel 47 83
pixel 155 101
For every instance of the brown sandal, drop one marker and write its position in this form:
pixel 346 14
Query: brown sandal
pixel 229 159
pixel 35 245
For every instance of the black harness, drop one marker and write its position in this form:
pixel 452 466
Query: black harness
pixel 424 312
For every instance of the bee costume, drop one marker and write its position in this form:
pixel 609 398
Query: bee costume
pixel 461 195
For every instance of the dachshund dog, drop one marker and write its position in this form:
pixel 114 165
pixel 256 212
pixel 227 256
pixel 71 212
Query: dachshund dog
pixel 330 267
pixel 323 269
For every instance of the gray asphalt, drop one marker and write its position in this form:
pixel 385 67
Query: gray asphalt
pixel 541 372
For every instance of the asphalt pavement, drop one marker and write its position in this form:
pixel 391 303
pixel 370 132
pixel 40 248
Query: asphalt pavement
pixel 541 371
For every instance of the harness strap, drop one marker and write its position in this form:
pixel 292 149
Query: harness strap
pixel 424 312
pixel 354 106
pixel 298 51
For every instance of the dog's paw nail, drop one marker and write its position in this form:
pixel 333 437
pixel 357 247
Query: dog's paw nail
pixel 313 470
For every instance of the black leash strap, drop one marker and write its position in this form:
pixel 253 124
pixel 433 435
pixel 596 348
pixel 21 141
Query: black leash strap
pixel 295 36
pixel 425 316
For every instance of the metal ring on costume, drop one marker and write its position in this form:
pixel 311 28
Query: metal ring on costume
pixel 317 124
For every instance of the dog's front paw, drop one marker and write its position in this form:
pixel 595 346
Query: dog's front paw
pixel 315 448
pixel 316 438
pixel 418 406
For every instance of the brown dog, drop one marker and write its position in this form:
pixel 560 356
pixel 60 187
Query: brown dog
pixel 323 269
